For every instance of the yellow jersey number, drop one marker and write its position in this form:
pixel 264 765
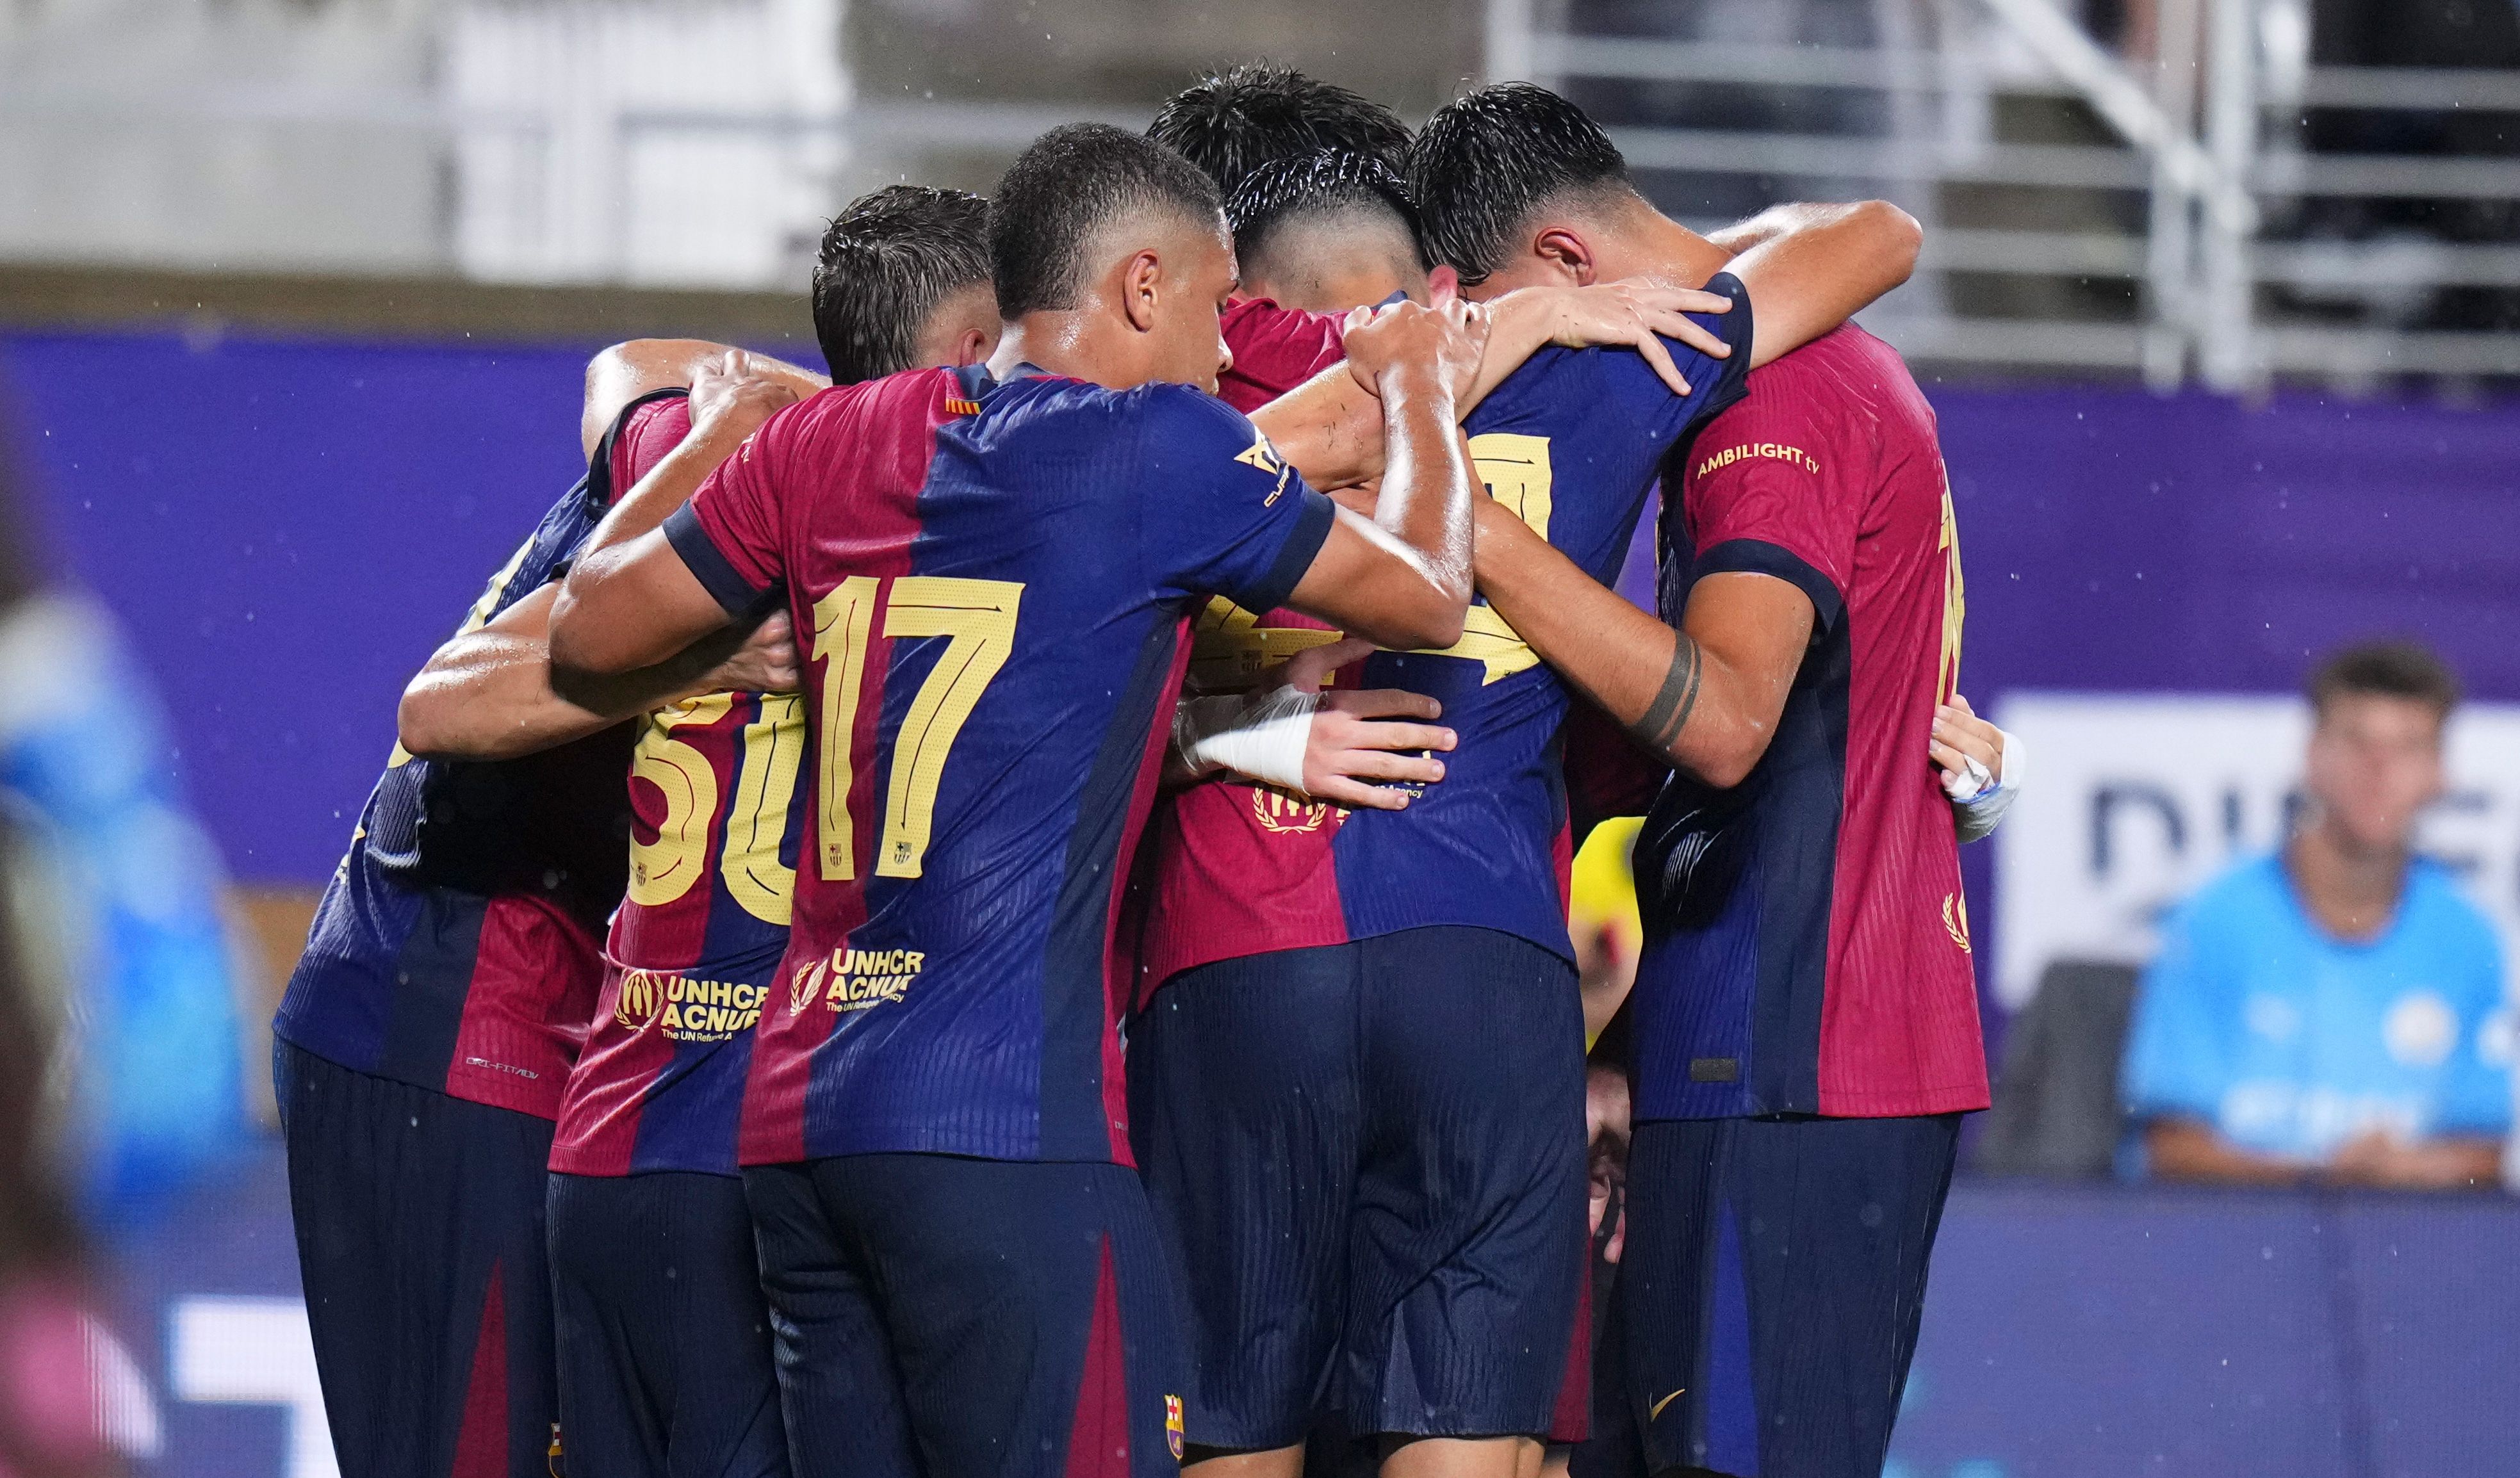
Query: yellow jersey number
pixel 1233 651
pixel 979 618
pixel 774 749
pixel 1946 672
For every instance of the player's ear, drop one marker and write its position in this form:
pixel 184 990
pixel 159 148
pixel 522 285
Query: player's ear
pixel 975 345
pixel 1142 284
pixel 1567 253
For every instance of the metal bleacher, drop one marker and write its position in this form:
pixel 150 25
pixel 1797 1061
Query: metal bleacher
pixel 2167 217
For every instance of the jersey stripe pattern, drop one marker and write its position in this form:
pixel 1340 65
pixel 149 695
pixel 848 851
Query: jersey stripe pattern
pixel 718 814
pixel 1573 441
pixel 991 583
pixel 455 946
pixel 1807 946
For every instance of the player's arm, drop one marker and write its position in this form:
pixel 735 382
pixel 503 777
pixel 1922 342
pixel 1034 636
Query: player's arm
pixel 633 605
pixel 490 693
pixel 731 395
pixel 1706 697
pixel 1810 268
pixel 1329 427
pixel 1402 578
pixel 621 373
pixel 633 601
pixel 493 694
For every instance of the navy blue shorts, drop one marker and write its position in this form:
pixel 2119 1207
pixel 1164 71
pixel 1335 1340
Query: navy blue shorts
pixel 665 1340
pixel 983 1318
pixel 420 1239
pixel 1768 1300
pixel 1369 1159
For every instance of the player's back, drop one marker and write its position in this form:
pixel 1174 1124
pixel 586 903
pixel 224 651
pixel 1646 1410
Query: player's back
pixel 1808 925
pixel 1571 441
pixel 990 581
pixel 455 946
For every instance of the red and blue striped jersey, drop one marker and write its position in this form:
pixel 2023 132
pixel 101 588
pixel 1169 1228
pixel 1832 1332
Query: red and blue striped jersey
pixel 455 947
pixel 1573 441
pixel 1807 944
pixel 991 583
pixel 716 814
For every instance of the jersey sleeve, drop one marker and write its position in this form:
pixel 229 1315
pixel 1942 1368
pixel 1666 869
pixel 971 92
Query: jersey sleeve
pixel 1276 349
pixel 649 430
pixel 1220 512
pixel 1631 386
pixel 2177 1062
pixel 1761 500
pixel 729 533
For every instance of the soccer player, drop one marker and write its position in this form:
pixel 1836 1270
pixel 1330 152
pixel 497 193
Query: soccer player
pixel 664 1342
pixel 429 1026
pixel 992 571
pixel 1359 1086
pixel 1804 1018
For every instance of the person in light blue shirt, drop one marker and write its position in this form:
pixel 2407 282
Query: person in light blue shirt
pixel 2336 1010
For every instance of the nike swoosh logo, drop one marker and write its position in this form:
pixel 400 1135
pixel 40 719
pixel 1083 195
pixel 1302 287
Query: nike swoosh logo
pixel 1654 1412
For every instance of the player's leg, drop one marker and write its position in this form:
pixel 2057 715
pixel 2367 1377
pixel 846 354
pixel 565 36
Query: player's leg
pixel 1031 1309
pixel 420 1234
pixel 839 1391
pixel 1468 1235
pixel 1242 1103
pixel 1771 1286
pixel 664 1341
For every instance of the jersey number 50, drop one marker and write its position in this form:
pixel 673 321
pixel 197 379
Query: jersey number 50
pixel 979 616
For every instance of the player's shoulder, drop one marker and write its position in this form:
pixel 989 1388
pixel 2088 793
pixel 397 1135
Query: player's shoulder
pixel 2249 897
pixel 2448 918
pixel 1844 371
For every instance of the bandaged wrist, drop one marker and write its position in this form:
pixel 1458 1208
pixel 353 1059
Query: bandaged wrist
pixel 1262 738
pixel 1978 814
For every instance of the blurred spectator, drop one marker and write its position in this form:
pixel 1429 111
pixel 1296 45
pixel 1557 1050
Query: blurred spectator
pixel 2334 1012
pixel 117 891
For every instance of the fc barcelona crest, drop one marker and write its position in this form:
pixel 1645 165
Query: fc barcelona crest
pixel 1277 811
pixel 1173 1426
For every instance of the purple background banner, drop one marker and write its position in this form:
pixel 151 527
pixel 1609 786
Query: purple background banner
pixel 289 528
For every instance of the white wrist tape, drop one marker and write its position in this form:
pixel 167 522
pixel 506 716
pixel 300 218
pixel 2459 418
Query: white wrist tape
pixel 1263 737
pixel 1979 809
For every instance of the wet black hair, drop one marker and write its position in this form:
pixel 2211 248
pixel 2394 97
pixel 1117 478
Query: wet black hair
pixel 1327 182
pixel 887 262
pixel 1486 161
pixel 1071 183
pixel 1229 124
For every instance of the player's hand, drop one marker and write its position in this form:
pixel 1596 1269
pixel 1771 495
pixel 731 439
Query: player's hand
pixel 1966 747
pixel 766 663
pixel 1606 1114
pixel 1360 738
pixel 1434 348
pixel 730 398
pixel 1640 312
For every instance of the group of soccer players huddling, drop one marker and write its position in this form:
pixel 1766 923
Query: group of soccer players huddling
pixel 1002 914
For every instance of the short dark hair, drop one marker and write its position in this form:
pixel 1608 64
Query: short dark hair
pixel 1071 183
pixel 1487 160
pixel 2390 668
pixel 1231 122
pixel 1309 186
pixel 887 262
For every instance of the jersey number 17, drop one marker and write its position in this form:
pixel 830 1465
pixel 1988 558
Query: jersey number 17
pixel 979 618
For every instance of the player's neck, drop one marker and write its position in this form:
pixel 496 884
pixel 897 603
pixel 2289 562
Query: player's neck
pixel 2350 890
pixel 1079 344
pixel 1650 243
